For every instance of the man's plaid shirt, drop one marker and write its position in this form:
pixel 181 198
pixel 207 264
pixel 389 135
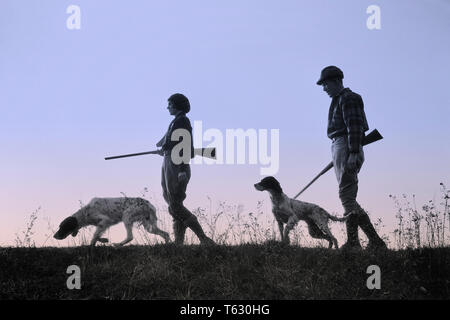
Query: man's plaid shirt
pixel 347 117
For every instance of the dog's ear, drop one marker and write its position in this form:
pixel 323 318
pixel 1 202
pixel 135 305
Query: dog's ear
pixel 272 183
pixel 70 225
pixel 66 227
pixel 278 186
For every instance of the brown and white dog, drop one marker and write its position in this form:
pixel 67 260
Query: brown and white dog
pixel 289 211
pixel 105 212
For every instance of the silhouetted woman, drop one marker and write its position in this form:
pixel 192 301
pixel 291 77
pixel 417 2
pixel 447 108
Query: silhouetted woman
pixel 175 177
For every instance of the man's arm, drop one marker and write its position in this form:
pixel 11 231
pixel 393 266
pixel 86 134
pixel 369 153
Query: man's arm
pixel 354 119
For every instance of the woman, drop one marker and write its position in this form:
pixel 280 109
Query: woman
pixel 175 175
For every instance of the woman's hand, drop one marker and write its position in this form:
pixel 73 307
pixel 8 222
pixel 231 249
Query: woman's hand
pixel 182 177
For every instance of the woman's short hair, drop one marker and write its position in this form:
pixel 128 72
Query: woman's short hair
pixel 180 102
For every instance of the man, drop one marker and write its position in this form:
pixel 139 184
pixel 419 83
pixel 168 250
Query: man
pixel 175 175
pixel 347 125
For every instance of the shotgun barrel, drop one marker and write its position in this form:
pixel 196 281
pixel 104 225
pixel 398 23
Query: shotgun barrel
pixel 203 152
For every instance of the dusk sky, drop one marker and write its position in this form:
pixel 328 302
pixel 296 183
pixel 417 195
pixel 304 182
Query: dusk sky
pixel 69 98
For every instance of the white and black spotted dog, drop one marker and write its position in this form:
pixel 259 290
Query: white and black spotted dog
pixel 289 211
pixel 105 212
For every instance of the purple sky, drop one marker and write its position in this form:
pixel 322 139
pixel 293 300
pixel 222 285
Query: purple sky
pixel 71 97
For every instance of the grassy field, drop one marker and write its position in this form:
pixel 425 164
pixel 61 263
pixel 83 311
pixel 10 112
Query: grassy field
pixel 266 271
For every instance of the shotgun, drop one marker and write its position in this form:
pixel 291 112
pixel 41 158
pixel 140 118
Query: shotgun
pixel 204 152
pixel 373 136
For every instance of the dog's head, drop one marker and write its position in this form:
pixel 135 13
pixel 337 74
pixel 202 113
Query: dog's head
pixel 68 226
pixel 269 183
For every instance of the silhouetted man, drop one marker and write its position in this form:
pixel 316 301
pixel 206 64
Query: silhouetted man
pixel 175 177
pixel 347 125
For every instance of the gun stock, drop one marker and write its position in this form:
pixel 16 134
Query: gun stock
pixel 373 136
pixel 206 152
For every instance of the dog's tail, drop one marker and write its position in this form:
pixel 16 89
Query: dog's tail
pixel 334 218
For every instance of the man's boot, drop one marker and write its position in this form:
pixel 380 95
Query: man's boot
pixel 192 223
pixel 352 233
pixel 179 229
pixel 375 242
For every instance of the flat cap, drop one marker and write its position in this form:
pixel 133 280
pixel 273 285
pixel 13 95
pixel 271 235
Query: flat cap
pixel 330 72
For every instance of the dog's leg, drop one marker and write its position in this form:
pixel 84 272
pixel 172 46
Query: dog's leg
pixel 281 227
pixel 129 228
pixel 333 241
pixel 327 235
pixel 314 230
pixel 155 230
pixel 316 233
pixel 289 226
pixel 98 232
pixel 150 224
pixel 103 223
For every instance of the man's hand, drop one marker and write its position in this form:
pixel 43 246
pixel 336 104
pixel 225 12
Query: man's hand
pixel 160 152
pixel 354 161
pixel 182 177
